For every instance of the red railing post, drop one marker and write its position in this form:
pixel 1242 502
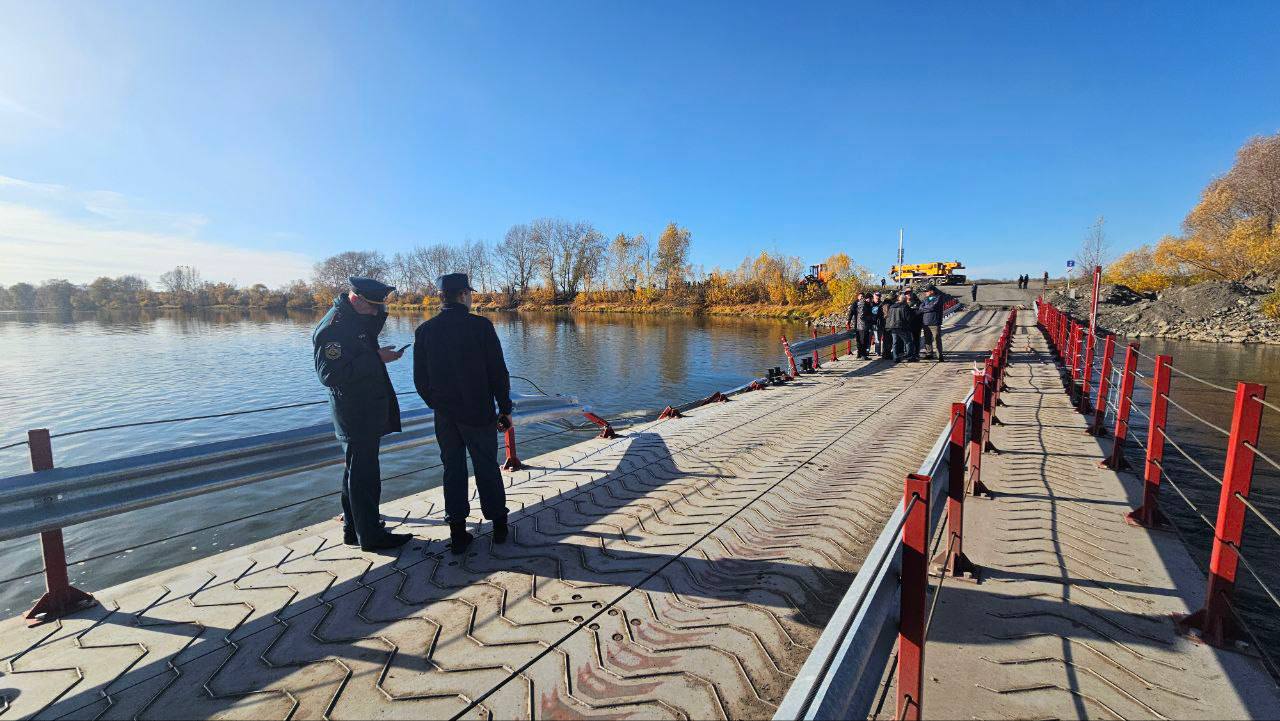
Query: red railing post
pixel 991 397
pixel 513 461
pixel 957 564
pixel 1065 331
pixel 1075 359
pixel 834 345
pixel 848 347
pixel 1104 387
pixel 816 362
pixel 974 425
pixel 915 590
pixel 60 597
pixel 786 348
pixel 1148 514
pixel 1116 461
pixel 1083 406
pixel 1215 620
pixel 606 430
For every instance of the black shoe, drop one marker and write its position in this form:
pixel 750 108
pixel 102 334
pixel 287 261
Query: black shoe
pixel 500 531
pixel 459 537
pixel 941 359
pixel 349 537
pixel 386 541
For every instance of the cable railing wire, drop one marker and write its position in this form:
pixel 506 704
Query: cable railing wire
pixel 1182 408
pixel 1266 656
pixel 1253 572
pixel 1196 509
pixel 1258 452
pixel 1184 374
pixel 942 578
pixel 1261 517
pixel 1187 456
pixel 1266 403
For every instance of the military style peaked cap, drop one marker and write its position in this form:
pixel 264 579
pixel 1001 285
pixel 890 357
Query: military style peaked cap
pixel 374 291
pixel 454 282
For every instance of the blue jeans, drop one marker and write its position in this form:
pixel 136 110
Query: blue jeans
pixel 901 344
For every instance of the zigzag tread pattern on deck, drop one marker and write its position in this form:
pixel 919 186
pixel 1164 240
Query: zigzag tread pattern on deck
pixel 681 571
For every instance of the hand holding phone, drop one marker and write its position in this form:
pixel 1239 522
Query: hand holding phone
pixel 406 345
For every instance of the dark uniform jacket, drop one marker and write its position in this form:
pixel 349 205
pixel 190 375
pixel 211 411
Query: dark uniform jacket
pixel 898 317
pixel 458 366
pixel 913 316
pixel 361 397
pixel 931 309
pixel 860 314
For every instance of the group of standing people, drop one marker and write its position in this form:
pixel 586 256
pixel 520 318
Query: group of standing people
pixel 894 324
pixel 458 369
pixel 1024 280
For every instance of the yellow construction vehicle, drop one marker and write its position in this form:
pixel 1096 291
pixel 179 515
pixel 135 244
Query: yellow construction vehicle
pixel 942 273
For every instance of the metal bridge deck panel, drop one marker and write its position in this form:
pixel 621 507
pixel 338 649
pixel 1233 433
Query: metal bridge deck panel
pixel 681 571
pixel 1072 616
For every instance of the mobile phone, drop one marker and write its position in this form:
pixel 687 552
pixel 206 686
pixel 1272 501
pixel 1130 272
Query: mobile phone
pixel 401 349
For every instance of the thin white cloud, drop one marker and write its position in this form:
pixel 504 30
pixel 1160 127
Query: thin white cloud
pixel 48 231
pixel 8 104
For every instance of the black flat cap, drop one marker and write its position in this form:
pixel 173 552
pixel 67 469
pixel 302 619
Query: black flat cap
pixel 374 291
pixel 452 282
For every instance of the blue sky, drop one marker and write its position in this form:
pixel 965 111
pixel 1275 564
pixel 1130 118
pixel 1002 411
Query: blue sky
pixel 254 139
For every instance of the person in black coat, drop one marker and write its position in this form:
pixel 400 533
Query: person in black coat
pixel 459 371
pixel 931 310
pixel 861 319
pixel 363 402
pixel 913 320
pixel 897 323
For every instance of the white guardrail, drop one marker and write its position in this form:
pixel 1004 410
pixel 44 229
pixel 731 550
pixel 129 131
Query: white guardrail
pixel 841 678
pixel 48 500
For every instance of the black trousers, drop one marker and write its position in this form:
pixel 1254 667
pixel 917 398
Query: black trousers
pixel 933 339
pixel 864 341
pixel 915 340
pixel 362 489
pixel 457 441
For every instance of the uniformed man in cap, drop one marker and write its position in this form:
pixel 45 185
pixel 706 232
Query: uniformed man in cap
pixel 354 369
pixel 460 373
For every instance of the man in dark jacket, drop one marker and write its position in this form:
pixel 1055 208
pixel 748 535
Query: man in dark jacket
pixel 861 319
pixel 897 322
pixel 931 310
pixel 879 306
pixel 913 320
pixel 460 373
pixel 363 403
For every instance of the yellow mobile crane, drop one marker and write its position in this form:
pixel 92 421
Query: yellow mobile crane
pixel 941 272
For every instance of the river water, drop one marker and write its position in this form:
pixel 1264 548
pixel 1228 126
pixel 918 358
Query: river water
pixel 72 372
pixel 82 371
pixel 1198 368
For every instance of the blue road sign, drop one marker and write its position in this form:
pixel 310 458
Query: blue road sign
pixel 1071 264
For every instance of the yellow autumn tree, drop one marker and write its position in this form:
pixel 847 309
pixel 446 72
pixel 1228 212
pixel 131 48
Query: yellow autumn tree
pixel 1234 229
pixel 1138 270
